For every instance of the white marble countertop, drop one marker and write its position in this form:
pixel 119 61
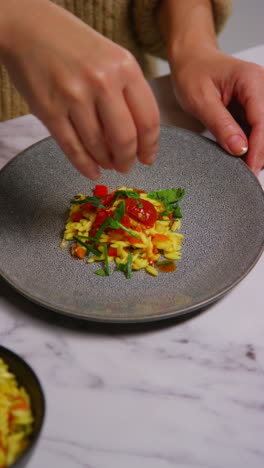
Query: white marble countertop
pixel 187 394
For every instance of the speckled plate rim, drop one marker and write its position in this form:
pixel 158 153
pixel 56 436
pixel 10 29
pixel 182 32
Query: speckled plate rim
pixel 170 312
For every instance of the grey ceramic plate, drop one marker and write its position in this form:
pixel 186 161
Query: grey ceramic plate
pixel 223 226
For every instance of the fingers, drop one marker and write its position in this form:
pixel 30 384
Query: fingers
pixel 64 132
pixel 91 133
pixel 255 155
pixel 119 130
pixel 214 115
pixel 252 99
pixel 144 110
pixel 120 127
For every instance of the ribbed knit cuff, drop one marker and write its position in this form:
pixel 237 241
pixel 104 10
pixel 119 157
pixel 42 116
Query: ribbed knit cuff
pixel 222 9
pixel 146 27
pixel 11 103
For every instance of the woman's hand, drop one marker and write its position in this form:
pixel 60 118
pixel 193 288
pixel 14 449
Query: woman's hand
pixel 88 91
pixel 226 95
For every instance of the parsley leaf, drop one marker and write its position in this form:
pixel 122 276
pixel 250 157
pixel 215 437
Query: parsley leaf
pixel 170 199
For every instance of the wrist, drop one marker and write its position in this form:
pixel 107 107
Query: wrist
pixel 187 28
pixel 13 14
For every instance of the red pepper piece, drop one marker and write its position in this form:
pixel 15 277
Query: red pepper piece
pixel 112 252
pixel 100 190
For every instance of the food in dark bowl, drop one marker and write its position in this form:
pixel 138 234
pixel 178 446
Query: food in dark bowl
pixel 22 410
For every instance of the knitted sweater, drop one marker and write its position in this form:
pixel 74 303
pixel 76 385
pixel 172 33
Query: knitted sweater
pixel 130 23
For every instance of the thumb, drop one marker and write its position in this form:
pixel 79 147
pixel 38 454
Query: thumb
pixel 214 115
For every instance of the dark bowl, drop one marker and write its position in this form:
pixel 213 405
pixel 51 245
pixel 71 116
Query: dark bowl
pixel 27 378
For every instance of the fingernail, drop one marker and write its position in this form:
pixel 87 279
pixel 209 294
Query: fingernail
pixel 150 159
pixel 95 175
pixel 237 145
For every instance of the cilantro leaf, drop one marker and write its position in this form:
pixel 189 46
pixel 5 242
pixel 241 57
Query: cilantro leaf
pixel 170 199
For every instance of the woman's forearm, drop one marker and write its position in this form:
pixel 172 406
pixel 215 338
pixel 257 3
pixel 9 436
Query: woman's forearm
pixel 186 26
pixel 14 15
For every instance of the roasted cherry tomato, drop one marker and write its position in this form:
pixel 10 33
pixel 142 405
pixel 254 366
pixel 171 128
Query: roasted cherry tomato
pixel 101 217
pixel 125 221
pixel 100 190
pixel 107 200
pixel 76 216
pixel 141 210
pixel 87 206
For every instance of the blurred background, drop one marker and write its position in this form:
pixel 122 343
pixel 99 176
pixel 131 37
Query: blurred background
pixel 244 29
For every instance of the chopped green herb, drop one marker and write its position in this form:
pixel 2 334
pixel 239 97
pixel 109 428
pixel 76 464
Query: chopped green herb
pixel 102 228
pixel 129 265
pixel 170 199
pixel 120 211
pixel 121 267
pixel 165 263
pixel 88 247
pixel 165 213
pixel 95 201
pixel 107 272
pixel 126 267
pixel 126 193
pixel 113 224
pixel 87 237
pixel 100 272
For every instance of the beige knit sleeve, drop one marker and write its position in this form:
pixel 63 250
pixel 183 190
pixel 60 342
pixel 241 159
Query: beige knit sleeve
pixel 147 31
pixel 222 9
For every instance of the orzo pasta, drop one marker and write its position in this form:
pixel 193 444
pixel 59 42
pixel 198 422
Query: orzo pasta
pixel 135 229
pixel 15 417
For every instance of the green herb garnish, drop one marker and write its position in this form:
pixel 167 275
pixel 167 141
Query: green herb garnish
pixel 170 199
pixel 120 211
pixel 95 201
pixel 165 263
pixel 113 224
pixel 126 267
pixel 88 247
pixel 129 265
pixel 87 237
pixel 107 272
pixel 102 228
pixel 100 272
pixel 126 193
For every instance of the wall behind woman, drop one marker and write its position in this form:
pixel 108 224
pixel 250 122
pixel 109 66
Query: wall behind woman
pixel 244 28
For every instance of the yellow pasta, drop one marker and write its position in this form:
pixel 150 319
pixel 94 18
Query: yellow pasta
pixel 15 417
pixel 134 229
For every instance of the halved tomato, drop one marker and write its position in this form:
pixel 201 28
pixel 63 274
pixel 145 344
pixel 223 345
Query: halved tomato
pixel 141 210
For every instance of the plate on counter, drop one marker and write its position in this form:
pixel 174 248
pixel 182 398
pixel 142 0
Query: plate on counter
pixel 223 228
